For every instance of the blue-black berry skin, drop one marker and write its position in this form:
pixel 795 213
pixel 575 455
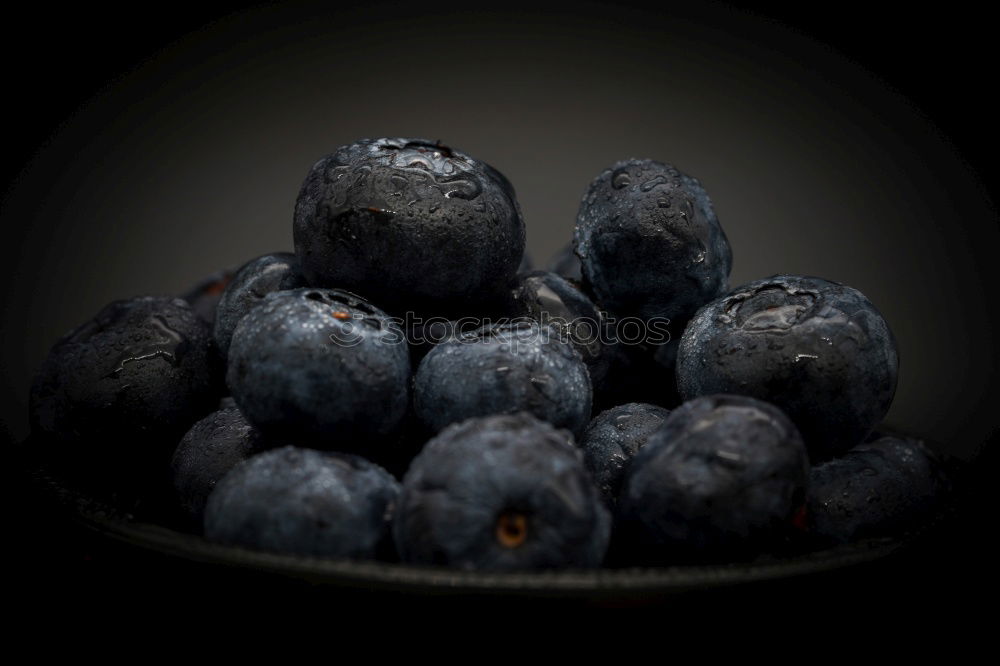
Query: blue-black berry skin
pixel 304 502
pixel 502 369
pixel 204 297
pixel 212 447
pixel 501 493
pixel 879 489
pixel 817 349
pixel 409 224
pixel 720 478
pixel 251 284
pixel 553 301
pixel 132 379
pixel 613 438
pixel 423 334
pixel 320 366
pixel 649 242
pixel 566 263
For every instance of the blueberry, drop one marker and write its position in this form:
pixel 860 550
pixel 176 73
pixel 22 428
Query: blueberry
pixel 252 282
pixel 409 224
pixel 878 489
pixel 817 349
pixel 501 369
pixel 204 296
pixel 212 447
pixel 722 476
pixel 320 366
pixel 612 440
pixel 649 242
pixel 399 450
pixel 131 380
pixel 423 334
pixel 553 301
pixel 566 263
pixel 305 502
pixel 501 493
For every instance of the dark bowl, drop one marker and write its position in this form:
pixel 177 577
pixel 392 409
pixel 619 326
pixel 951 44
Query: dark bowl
pixel 141 523
pixel 191 160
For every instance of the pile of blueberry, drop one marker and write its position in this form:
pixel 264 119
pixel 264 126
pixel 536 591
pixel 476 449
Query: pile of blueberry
pixel 404 386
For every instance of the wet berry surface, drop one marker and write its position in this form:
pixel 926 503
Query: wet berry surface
pixel 404 387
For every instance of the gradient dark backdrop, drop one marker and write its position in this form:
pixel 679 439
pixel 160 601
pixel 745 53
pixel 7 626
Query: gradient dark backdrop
pixel 190 157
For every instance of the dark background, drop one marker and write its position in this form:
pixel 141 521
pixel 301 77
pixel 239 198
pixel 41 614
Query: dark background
pixel 144 151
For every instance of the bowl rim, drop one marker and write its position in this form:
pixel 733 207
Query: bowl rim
pixel 100 516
